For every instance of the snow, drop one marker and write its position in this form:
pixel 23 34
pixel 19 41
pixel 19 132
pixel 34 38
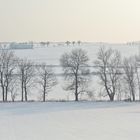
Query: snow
pixel 70 120
pixel 51 55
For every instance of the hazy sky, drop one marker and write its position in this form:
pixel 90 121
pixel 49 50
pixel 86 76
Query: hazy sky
pixel 61 20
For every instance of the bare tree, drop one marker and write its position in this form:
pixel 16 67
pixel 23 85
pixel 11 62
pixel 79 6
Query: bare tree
pixel 79 42
pixel 46 79
pixel 67 43
pixel 108 69
pixel 129 75
pixel 75 70
pixel 7 67
pixel 26 75
pixel 137 73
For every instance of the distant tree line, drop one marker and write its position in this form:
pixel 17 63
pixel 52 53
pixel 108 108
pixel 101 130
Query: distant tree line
pixel 118 77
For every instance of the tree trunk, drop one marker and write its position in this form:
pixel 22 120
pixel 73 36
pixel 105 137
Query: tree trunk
pixel 6 93
pixel 22 85
pixel 44 89
pixel 3 94
pixel 133 98
pixel 76 97
pixel 22 91
pixel 25 90
pixel 2 87
pixel 111 97
pixel 133 93
pixel 76 88
pixel 44 94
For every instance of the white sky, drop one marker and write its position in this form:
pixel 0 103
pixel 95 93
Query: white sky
pixel 61 20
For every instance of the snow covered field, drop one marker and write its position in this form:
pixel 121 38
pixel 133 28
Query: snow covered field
pixel 70 121
pixel 51 54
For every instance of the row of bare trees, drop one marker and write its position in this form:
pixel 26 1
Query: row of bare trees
pixel 117 76
pixel 20 75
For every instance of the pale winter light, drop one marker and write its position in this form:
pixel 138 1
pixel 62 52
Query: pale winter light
pixel 61 20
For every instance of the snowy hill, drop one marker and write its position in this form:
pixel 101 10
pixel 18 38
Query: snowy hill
pixel 69 120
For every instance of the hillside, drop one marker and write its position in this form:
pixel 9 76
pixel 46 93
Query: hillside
pixel 70 120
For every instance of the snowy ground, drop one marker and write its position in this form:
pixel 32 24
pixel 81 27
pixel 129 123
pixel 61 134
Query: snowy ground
pixel 70 121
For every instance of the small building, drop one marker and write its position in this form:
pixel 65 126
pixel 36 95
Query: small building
pixel 21 46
